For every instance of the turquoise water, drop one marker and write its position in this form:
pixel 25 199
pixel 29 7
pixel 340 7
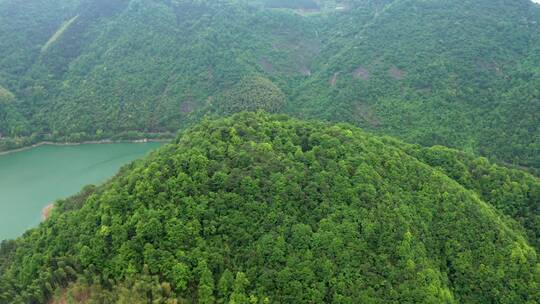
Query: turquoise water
pixel 34 178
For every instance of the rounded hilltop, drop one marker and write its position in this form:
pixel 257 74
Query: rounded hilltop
pixel 257 208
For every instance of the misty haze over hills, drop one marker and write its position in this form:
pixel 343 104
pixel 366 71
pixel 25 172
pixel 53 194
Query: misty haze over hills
pixel 330 151
pixel 455 73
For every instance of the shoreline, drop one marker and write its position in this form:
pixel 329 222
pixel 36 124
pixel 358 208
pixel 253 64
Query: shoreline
pixel 46 211
pixel 94 142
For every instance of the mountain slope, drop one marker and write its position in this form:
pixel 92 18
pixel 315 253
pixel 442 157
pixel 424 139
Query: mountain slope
pixel 267 209
pixel 461 74
pixel 513 192
pixel 436 72
pixel 11 122
pixel 154 65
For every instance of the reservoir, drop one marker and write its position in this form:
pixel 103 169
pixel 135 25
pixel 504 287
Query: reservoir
pixel 34 178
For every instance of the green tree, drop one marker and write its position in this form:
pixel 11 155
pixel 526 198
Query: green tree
pixel 206 284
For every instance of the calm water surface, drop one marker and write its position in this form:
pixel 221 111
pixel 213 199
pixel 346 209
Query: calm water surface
pixel 32 179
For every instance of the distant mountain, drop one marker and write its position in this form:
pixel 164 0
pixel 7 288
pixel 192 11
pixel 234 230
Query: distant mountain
pixel 268 209
pixel 457 73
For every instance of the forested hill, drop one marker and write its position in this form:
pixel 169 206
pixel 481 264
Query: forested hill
pixel 268 209
pixel 463 74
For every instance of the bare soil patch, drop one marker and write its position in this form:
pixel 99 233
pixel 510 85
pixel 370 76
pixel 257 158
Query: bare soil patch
pixel 305 71
pixel 73 293
pixel 266 66
pixel 186 108
pixel 396 73
pixel 490 67
pixel 333 81
pixel 366 113
pixel 46 212
pixel 361 73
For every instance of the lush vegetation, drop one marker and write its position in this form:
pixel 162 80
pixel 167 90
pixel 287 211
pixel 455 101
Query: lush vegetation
pixel 463 74
pixel 268 209
pixel 11 121
pixel 253 93
pixel 454 73
pixel 513 192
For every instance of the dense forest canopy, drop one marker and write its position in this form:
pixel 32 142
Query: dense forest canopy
pixel 266 208
pixel 462 74
pixel 269 209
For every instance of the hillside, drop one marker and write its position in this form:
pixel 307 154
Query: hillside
pixel 151 66
pixel 454 73
pixel 269 209
pixel 11 121
pixel 462 74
